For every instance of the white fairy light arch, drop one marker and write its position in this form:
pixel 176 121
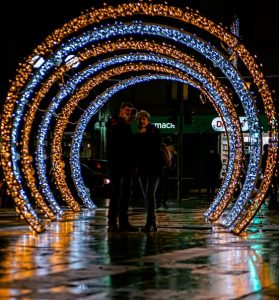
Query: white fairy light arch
pixel 32 83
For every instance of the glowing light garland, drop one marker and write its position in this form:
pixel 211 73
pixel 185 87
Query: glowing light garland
pixel 238 218
pixel 191 42
pixel 219 61
pixel 93 108
pixel 213 81
pixel 27 168
pixel 88 73
pixel 68 108
pixel 85 118
pixel 42 171
pixel 108 47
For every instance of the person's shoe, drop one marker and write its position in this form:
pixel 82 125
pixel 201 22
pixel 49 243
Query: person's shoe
pixel 149 228
pixel 113 228
pixel 128 228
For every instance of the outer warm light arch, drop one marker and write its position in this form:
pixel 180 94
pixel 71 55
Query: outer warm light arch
pixel 8 153
pixel 89 112
pixel 176 54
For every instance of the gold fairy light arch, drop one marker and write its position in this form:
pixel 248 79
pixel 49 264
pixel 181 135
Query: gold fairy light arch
pixel 26 82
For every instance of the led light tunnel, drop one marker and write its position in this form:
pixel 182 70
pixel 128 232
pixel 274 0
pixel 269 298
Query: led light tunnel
pixel 227 69
pixel 189 40
pixel 92 109
pixel 187 70
pixel 89 72
pixel 29 85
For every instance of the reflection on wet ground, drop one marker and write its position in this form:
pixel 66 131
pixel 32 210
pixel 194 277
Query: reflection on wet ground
pixel 186 259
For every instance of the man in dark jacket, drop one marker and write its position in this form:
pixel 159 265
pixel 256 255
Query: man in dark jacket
pixel 120 153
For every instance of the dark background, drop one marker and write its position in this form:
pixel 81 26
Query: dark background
pixel 24 24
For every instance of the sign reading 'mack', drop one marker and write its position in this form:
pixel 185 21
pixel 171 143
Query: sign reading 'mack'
pixel 165 125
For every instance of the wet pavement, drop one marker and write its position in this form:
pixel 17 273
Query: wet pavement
pixel 187 258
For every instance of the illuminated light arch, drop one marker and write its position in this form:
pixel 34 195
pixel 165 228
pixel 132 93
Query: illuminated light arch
pixel 85 118
pixel 142 57
pixel 189 41
pixel 24 151
pixel 168 50
pixel 59 133
pixel 9 152
pixel 177 35
pixel 93 108
pixel 224 192
pixel 44 182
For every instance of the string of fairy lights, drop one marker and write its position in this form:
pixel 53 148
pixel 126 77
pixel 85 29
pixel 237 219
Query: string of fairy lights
pixel 72 86
pixel 131 45
pixel 91 110
pixel 68 114
pixel 137 27
pixel 86 117
pixel 26 172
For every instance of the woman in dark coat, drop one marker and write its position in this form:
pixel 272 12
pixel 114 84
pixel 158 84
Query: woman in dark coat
pixel 149 165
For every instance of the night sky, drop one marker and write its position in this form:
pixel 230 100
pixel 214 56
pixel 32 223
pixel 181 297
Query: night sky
pixel 24 24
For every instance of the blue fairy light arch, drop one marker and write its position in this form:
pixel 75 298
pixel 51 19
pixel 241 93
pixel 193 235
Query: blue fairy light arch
pixel 28 83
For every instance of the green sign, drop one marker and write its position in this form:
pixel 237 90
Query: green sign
pixel 200 124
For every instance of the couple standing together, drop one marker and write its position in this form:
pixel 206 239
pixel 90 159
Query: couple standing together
pixel 130 154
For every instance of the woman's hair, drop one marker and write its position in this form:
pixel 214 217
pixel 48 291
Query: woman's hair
pixel 143 113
